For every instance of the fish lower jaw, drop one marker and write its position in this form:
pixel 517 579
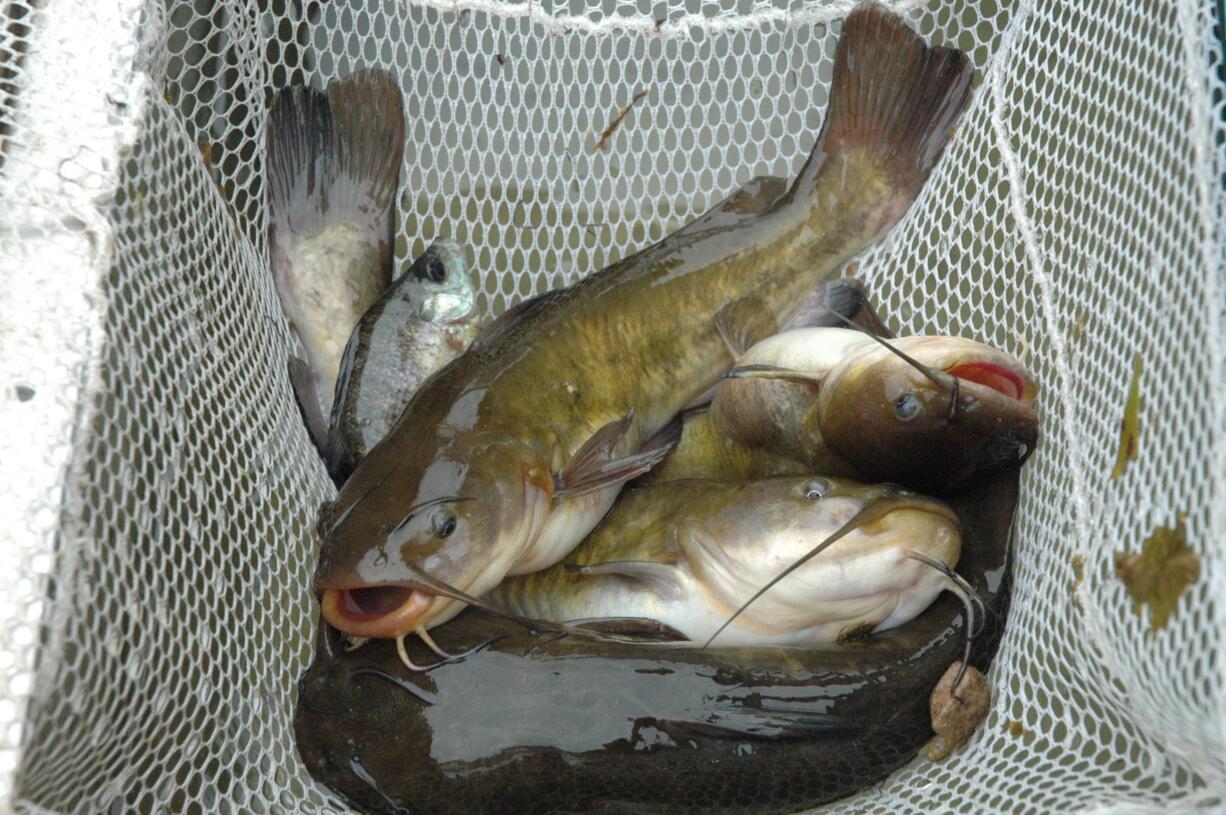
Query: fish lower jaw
pixel 377 611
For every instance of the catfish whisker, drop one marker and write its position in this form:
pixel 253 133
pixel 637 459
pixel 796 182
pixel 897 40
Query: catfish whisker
pixel 404 657
pixel 868 513
pixel 970 599
pixel 431 644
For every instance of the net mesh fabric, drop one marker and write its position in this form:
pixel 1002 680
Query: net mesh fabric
pixel 163 492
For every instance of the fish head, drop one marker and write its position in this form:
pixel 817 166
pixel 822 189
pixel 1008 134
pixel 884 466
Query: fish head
pixel 968 413
pixel 774 523
pixel 407 550
pixel 438 284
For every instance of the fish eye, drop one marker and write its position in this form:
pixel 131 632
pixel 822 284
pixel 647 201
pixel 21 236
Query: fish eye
pixel 906 407
pixel 444 524
pixel 435 270
pixel 815 489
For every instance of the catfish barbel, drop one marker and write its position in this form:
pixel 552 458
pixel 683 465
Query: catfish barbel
pixel 508 457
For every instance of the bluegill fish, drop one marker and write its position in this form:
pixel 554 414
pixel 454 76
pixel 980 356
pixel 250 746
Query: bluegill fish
pixel 690 553
pixel 541 722
pixel 509 456
pixel 333 163
pixel 943 413
pixel 422 322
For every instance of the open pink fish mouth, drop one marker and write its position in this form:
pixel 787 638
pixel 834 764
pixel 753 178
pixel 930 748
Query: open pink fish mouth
pixel 375 611
pixel 992 375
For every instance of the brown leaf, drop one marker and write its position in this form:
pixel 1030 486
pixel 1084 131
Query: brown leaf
pixel 1130 425
pixel 1160 574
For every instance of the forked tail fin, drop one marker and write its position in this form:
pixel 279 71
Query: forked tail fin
pixel 335 158
pixel 893 102
pixel 332 168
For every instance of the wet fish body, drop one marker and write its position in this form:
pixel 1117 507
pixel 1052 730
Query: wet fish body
pixel 423 321
pixel 759 428
pixel 690 553
pixel 839 402
pixel 509 456
pixel 545 723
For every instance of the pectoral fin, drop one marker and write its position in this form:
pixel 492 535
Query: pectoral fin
pixel 660 577
pixel 596 464
pixel 745 322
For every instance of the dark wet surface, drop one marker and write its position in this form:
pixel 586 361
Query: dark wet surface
pixel 547 723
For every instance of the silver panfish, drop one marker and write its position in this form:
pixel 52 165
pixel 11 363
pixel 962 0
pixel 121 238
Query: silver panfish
pixel 422 322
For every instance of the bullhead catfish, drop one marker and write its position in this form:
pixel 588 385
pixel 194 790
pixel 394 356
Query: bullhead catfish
pixel 943 413
pixel 690 553
pixel 538 723
pixel 510 455
pixel 418 325
pixel 333 162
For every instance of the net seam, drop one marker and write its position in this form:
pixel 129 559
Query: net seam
pixel 1197 52
pixel 1213 164
pixel 677 28
pixel 1034 262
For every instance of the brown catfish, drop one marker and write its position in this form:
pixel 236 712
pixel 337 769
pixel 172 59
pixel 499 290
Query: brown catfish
pixel 549 723
pixel 508 457
pixel 333 166
pixel 932 413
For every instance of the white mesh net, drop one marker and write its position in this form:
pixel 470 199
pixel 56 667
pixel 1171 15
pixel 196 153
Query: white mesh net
pixel 154 604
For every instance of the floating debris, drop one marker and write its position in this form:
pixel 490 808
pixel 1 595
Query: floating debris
pixel 613 125
pixel 1160 574
pixel 1015 728
pixel 1130 426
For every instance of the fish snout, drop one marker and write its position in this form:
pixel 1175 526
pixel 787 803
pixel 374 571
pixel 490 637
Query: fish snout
pixel 910 513
pixel 375 611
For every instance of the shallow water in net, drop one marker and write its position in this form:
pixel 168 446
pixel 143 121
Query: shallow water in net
pixel 160 611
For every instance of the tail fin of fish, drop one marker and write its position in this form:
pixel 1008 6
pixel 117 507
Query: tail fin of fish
pixel 893 103
pixel 332 159
pixel 335 158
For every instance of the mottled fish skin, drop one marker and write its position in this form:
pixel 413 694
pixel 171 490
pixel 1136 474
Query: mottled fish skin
pixel 540 723
pixel 860 411
pixel 333 168
pixel 690 553
pixel 758 428
pixel 422 322
pixel 555 399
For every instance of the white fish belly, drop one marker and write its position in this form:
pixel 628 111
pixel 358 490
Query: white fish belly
pixel 565 527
